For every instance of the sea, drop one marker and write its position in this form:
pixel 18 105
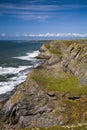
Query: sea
pixel 17 59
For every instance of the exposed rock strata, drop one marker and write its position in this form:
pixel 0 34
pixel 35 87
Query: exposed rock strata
pixel 33 105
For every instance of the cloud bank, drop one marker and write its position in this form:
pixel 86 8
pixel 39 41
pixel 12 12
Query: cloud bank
pixel 47 35
pixel 57 35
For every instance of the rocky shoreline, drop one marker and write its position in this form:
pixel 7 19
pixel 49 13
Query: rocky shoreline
pixel 54 94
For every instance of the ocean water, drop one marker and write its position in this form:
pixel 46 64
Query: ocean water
pixel 17 59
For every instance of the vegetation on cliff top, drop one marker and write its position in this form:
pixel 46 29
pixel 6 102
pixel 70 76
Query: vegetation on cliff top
pixel 54 78
pixel 59 128
pixel 64 81
pixel 55 82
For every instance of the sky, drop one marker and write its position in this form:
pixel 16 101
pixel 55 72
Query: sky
pixel 42 19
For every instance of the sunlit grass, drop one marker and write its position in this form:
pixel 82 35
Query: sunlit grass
pixel 66 83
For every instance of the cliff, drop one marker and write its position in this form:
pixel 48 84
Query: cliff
pixel 54 94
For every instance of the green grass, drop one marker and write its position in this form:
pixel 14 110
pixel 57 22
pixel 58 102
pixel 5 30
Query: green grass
pixel 53 80
pixel 69 42
pixel 74 110
pixel 63 82
pixel 47 45
pixel 66 42
pixel 55 51
pixel 59 128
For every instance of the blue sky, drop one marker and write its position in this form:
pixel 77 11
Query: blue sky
pixel 29 19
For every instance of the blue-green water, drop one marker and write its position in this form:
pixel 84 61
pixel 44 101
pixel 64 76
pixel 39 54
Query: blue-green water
pixel 17 58
pixel 10 49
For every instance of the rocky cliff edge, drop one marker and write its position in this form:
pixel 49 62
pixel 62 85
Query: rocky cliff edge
pixel 55 93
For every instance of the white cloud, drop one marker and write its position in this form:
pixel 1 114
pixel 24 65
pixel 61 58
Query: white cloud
pixel 3 35
pixel 28 11
pixel 32 7
pixel 40 7
pixel 17 35
pixel 79 35
pixel 57 35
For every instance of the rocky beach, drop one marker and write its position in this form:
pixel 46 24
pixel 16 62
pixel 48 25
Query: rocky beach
pixel 54 95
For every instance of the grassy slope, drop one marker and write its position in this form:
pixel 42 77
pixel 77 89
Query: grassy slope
pixel 61 81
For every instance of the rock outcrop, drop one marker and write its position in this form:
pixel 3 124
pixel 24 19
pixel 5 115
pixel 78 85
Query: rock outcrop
pixel 55 93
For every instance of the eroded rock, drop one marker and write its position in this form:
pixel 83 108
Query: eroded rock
pixel 33 105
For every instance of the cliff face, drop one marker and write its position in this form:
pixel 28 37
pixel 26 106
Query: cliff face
pixel 55 93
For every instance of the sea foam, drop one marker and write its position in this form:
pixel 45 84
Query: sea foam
pixel 12 70
pixel 28 56
pixel 20 73
pixel 20 76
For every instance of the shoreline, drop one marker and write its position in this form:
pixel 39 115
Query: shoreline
pixel 6 96
pixel 12 76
